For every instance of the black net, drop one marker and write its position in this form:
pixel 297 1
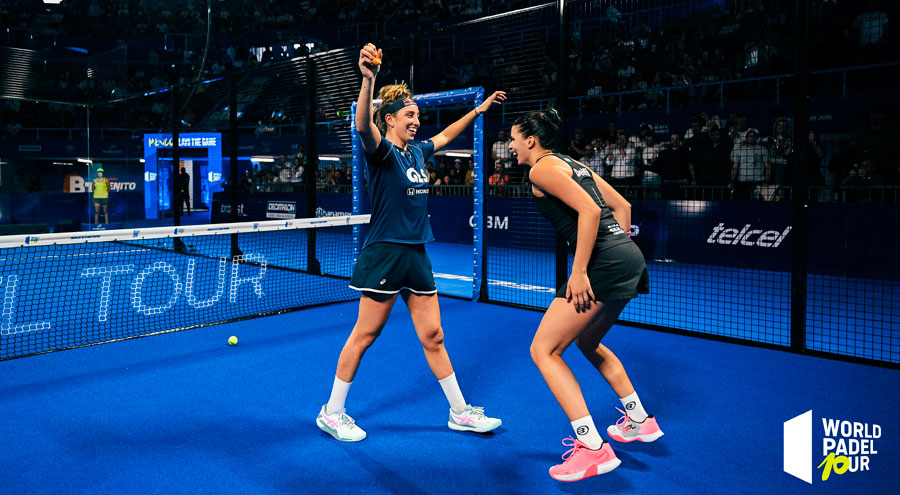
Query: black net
pixel 62 291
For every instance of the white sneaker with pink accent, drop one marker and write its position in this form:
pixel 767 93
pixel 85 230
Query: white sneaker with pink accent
pixel 629 430
pixel 472 419
pixel 340 426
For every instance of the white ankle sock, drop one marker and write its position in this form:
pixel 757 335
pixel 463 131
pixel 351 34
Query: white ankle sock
pixel 453 393
pixel 338 396
pixel 633 407
pixel 587 433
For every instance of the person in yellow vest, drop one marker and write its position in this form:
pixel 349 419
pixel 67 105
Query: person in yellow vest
pixel 101 196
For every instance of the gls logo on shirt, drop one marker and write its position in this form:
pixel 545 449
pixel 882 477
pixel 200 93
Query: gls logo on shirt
pixel 415 176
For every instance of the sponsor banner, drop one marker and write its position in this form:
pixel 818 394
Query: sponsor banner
pixel 284 210
pixel 263 206
pixel 735 234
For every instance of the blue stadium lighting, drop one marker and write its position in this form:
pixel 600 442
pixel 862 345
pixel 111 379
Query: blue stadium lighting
pixel 77 49
pixel 156 92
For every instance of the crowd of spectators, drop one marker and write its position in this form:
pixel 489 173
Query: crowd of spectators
pixel 728 157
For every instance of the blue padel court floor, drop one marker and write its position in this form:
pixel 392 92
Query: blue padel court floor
pixel 184 412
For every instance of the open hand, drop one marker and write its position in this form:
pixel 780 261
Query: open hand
pixel 497 97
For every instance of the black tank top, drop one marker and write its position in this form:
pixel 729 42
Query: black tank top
pixel 565 220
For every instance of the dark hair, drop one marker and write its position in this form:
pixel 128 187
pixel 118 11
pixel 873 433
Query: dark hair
pixel 542 125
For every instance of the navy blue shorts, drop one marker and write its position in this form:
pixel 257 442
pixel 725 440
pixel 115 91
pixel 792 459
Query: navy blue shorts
pixel 389 267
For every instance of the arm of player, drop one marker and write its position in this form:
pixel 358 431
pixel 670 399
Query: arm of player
pixel 553 177
pixel 620 206
pixel 369 134
pixel 456 128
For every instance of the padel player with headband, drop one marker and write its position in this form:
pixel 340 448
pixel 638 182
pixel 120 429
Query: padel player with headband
pixel 608 270
pixel 393 260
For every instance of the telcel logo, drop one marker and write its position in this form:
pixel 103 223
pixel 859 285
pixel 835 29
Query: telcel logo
pixel 747 237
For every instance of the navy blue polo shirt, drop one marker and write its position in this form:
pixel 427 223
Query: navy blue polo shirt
pixel 398 193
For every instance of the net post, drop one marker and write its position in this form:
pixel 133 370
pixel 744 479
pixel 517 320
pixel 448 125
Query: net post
pixel 562 251
pixel 176 200
pixel 479 282
pixel 233 156
pixel 800 190
pixel 312 160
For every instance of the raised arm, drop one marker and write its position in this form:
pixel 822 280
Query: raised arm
pixel 456 128
pixel 368 132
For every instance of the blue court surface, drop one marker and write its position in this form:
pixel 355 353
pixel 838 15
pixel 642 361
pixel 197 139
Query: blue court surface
pixel 184 412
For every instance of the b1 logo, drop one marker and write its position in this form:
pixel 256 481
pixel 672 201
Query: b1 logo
pixel 415 176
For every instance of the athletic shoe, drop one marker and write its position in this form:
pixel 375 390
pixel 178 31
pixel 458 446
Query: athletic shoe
pixel 472 419
pixel 340 426
pixel 580 462
pixel 629 430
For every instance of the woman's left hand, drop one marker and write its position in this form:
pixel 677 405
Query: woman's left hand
pixel 497 97
pixel 579 292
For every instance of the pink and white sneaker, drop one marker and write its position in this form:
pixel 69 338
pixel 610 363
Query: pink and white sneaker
pixel 580 462
pixel 629 430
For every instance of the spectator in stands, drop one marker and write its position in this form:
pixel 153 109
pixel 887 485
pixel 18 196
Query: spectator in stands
pixel 737 127
pixel 781 146
pixel 715 168
pixel 433 178
pixel 500 148
pixel 844 161
pixel 672 165
pixel 246 184
pixel 647 154
pixel 499 177
pixel 855 185
pixel 696 145
pixel 457 175
pixel 751 167
pixel 815 154
pixel 593 160
pixel 620 161
pixel 880 144
pixel 577 144
pixel 298 168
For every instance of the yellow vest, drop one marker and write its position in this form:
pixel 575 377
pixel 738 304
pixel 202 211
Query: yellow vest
pixel 101 188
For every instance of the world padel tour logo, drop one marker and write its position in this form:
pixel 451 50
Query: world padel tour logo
pixel 847 447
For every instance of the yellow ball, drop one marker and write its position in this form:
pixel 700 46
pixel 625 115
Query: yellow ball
pixel 232 340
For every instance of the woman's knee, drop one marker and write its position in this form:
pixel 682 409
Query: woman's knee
pixel 363 339
pixel 541 351
pixel 432 338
